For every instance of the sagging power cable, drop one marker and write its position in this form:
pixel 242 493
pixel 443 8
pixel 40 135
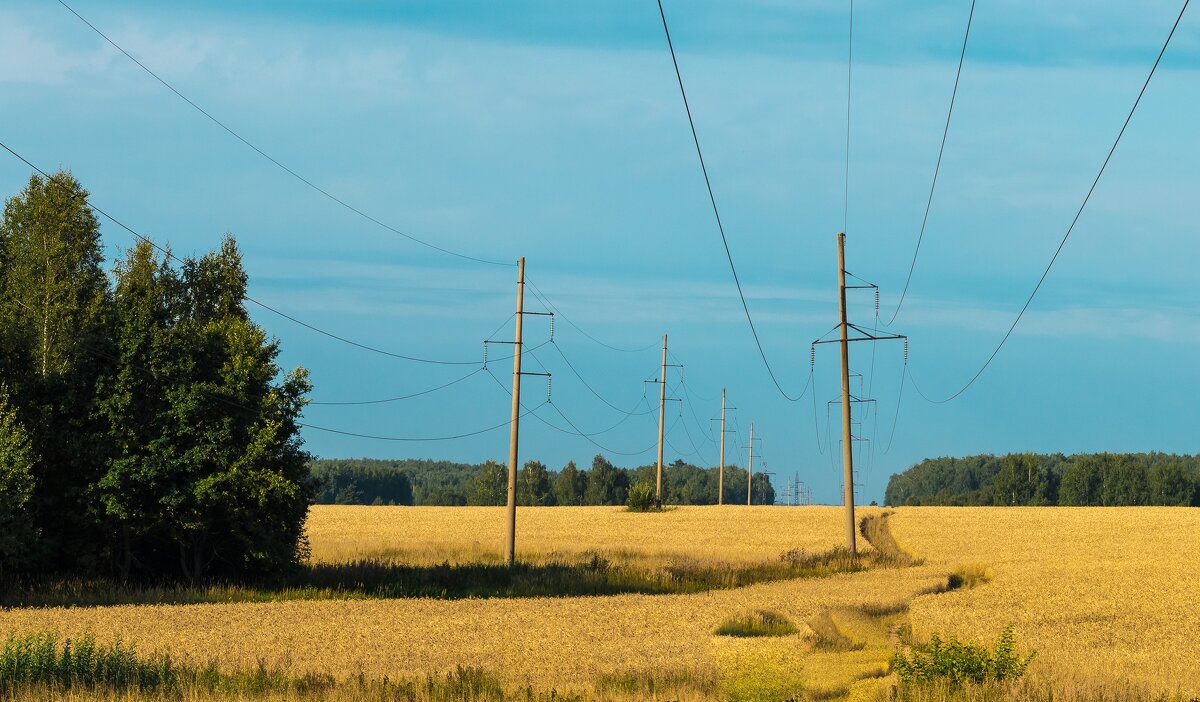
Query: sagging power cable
pixel 1074 221
pixel 169 254
pixel 306 181
pixel 717 214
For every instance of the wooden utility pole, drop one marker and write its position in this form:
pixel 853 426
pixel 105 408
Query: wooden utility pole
pixel 662 416
pixel 510 540
pixel 847 443
pixel 750 471
pixel 721 470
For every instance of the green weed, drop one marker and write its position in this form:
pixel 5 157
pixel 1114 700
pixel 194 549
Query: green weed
pixel 760 623
pixel 956 662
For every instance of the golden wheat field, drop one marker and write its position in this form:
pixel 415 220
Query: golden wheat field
pixel 1106 596
pixel 464 534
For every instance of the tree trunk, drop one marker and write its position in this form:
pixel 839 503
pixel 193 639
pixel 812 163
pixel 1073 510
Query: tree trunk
pixel 46 308
pixel 191 558
pixel 124 554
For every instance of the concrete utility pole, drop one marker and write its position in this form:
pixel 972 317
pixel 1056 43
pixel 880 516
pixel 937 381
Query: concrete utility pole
pixel 847 400
pixel 510 540
pixel 721 470
pixel 750 471
pixel 847 444
pixel 662 417
pixel 721 473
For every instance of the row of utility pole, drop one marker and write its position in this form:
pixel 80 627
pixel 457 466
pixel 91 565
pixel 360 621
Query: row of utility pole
pixel 800 492
pixel 797 493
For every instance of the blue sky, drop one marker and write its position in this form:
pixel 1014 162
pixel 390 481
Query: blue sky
pixel 555 131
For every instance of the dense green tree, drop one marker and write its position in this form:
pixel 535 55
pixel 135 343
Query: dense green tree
pixel 698 488
pixel 348 494
pixel 1124 482
pixel 146 304
pixel 570 485
pixel 1023 479
pixel 607 484
pixel 238 428
pixel 53 310
pixel 1084 479
pixel 490 486
pixel 685 484
pixel 209 473
pixel 449 495
pixel 533 485
pixel 162 436
pixel 446 483
pixel 735 485
pixel 17 530
pixel 55 288
pixel 761 490
pixel 1170 484
pixel 382 481
pixel 1081 482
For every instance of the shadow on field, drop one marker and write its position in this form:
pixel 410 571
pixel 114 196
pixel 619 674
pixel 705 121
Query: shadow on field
pixel 592 575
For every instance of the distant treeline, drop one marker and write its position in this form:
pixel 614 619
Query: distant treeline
pixel 423 482
pixel 1109 479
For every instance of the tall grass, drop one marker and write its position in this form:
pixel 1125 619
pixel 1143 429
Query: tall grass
pixel 874 528
pixel 1025 691
pixel 591 574
pixel 660 684
pixel 43 666
pixel 760 623
pixel 41 659
pixel 827 637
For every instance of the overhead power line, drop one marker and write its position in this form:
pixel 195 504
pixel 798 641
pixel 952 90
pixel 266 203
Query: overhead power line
pixel 896 416
pixel 816 428
pixel 304 425
pixel 937 167
pixel 592 390
pixel 422 438
pixel 717 214
pixel 575 430
pixel 273 160
pixel 401 397
pixel 167 252
pixel 695 447
pixel 590 440
pixel 1074 221
pixel 849 76
pixel 691 404
pixel 546 301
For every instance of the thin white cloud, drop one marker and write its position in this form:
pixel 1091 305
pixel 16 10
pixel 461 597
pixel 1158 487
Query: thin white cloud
pixel 1159 324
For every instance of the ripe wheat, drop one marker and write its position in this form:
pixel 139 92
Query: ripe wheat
pixel 1106 596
